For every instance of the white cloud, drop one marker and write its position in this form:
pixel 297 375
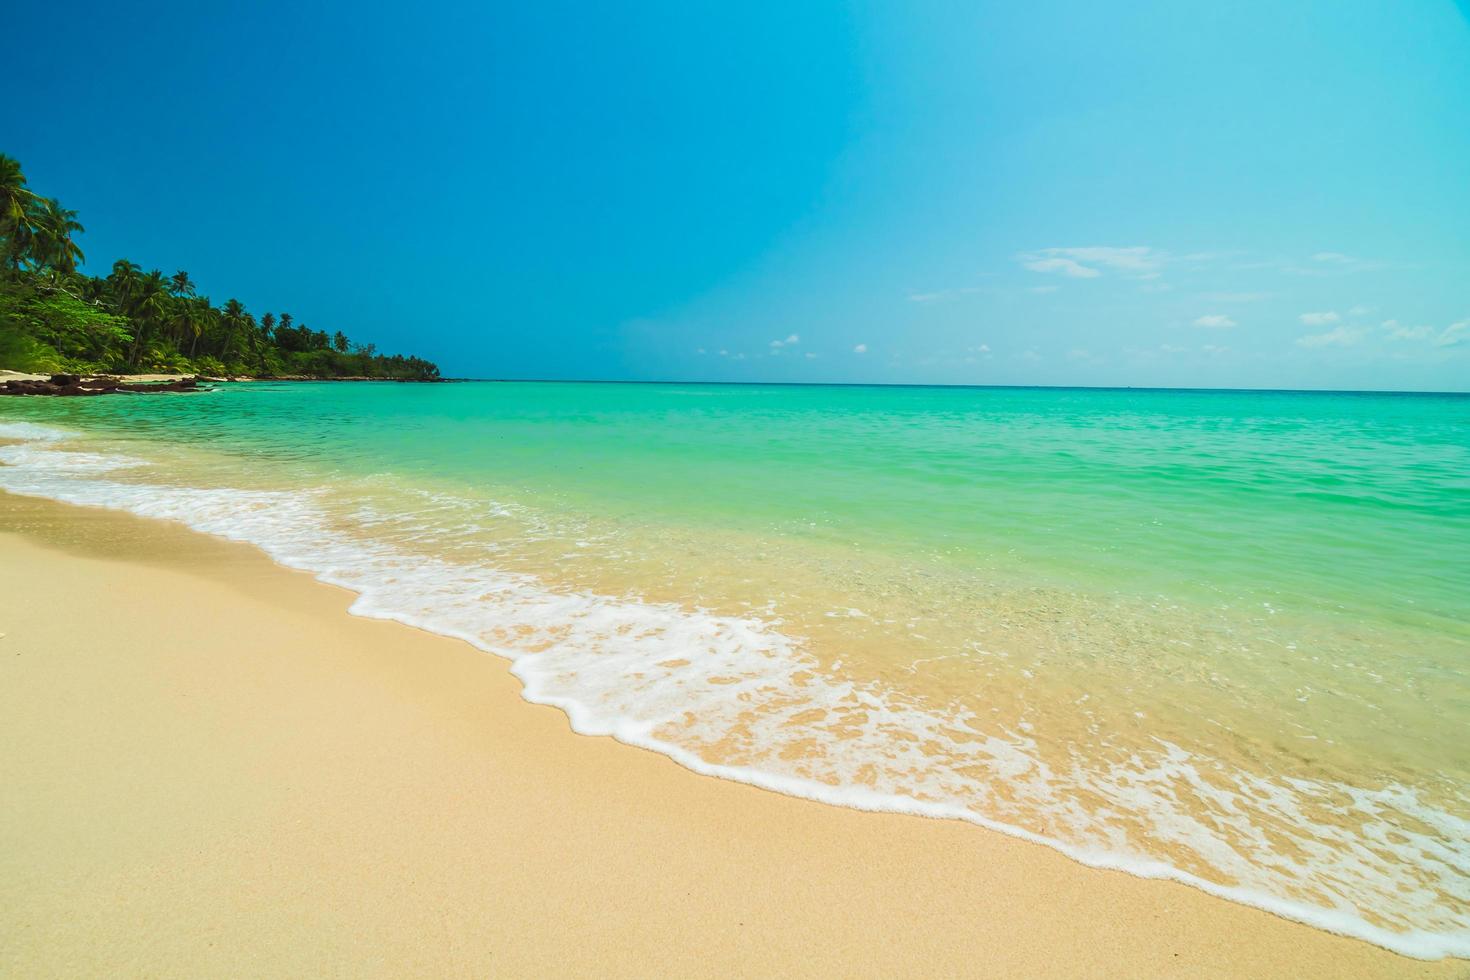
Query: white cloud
pixel 1339 336
pixel 1453 334
pixel 1214 321
pixel 788 342
pixel 1137 259
pixel 1397 331
pixel 980 349
pixel 1213 350
pixel 724 353
pixel 1171 349
pixel 943 294
pixel 1360 311
pixel 1067 267
pixel 1319 319
pixel 860 349
pixel 699 351
pixel 793 339
pixel 1332 264
pixel 810 356
pixel 1090 261
pixel 1079 354
pixel 1234 297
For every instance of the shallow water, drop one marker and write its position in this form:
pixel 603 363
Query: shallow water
pixel 1222 637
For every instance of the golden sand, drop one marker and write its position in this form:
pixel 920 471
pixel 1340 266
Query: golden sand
pixel 210 769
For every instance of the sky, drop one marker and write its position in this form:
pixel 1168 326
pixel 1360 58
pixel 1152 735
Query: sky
pixel 1061 192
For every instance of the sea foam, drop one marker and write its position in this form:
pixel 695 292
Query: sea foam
pixel 699 687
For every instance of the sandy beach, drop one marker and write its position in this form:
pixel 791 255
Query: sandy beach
pixel 211 769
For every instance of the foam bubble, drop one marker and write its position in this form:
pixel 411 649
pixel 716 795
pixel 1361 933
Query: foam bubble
pixel 32 432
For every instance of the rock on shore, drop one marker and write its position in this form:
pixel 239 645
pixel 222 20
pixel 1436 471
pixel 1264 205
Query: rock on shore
pixel 73 384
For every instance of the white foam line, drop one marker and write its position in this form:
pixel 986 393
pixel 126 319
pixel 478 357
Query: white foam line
pixel 35 469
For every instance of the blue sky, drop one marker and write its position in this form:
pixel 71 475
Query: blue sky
pixel 1248 194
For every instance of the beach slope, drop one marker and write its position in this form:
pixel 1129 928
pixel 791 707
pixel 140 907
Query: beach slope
pixel 211 769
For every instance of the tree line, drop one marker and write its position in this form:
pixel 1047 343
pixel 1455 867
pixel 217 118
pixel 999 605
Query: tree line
pixel 55 318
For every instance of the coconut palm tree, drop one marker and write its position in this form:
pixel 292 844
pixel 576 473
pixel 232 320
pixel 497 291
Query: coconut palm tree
pixel 147 306
pixel 52 229
pixel 15 197
pixel 17 213
pixel 203 319
pixel 183 320
pixel 123 281
pixel 179 284
pixel 236 322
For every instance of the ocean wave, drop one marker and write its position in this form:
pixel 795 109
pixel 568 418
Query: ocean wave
pixel 735 697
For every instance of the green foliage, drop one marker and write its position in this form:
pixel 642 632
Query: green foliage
pixel 45 328
pixel 28 354
pixel 53 318
pixel 210 366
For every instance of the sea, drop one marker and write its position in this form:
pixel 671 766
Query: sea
pixel 1218 637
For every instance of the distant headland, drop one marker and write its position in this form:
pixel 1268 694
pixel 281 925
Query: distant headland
pixel 55 319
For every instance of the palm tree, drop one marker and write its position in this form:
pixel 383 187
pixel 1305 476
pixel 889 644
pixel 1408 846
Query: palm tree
pixel 236 321
pixel 91 289
pixel 52 245
pixel 203 317
pixel 122 283
pixel 147 306
pixel 183 320
pixel 259 345
pixel 17 204
pixel 151 299
pixel 179 284
pixel 15 197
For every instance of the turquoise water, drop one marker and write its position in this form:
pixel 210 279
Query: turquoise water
pixel 1217 636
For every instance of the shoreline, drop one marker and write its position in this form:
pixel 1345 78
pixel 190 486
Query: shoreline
pixel 255 691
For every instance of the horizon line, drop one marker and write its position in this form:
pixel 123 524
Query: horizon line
pixel 916 384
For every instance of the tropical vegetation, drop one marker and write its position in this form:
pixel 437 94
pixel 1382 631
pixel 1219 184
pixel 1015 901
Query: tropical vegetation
pixel 56 318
